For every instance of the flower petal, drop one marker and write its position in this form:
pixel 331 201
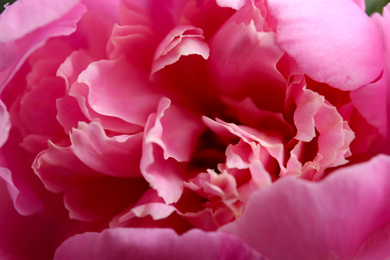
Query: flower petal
pixel 306 220
pixel 114 156
pixel 182 40
pixel 62 25
pixel 325 36
pixel 170 136
pixel 132 103
pixel 5 124
pixel 235 4
pixel 128 243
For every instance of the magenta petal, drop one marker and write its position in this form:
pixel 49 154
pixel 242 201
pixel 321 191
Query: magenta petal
pixel 325 36
pixel 25 237
pixel 128 243
pixel 297 219
pixel 5 124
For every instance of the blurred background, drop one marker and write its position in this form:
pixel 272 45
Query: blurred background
pixel 371 5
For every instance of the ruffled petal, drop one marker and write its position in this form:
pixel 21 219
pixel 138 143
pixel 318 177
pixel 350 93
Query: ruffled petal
pixel 181 41
pixel 60 24
pixel 324 37
pixel 114 156
pixel 318 220
pixel 243 60
pixel 132 103
pixel 170 136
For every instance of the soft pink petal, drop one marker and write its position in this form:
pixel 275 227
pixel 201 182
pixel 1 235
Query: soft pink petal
pixel 24 17
pixel 371 102
pixel 61 26
pixel 181 41
pixel 154 209
pixel 272 144
pixel 130 102
pixel 136 42
pixel 5 124
pixel 314 117
pixel 175 130
pixel 59 168
pixel 77 102
pixel 297 219
pixel 235 4
pixel 23 196
pixel 126 243
pixel 73 65
pixel 376 246
pixel 307 105
pixel 383 23
pixel 170 136
pixel 325 36
pixel 115 156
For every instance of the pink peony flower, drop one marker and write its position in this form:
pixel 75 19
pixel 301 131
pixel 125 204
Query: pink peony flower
pixel 195 129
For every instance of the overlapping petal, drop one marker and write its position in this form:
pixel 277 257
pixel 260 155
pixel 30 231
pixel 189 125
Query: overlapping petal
pixel 318 220
pixel 35 35
pixel 170 136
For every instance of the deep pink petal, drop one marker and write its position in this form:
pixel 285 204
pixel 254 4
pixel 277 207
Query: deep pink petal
pixel 243 60
pixel 126 243
pixel 25 237
pixel 325 36
pixel 115 156
pixel 101 199
pixel 297 219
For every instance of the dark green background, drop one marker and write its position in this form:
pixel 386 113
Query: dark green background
pixel 371 5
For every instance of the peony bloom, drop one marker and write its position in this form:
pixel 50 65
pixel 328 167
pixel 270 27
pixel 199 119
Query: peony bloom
pixel 200 129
